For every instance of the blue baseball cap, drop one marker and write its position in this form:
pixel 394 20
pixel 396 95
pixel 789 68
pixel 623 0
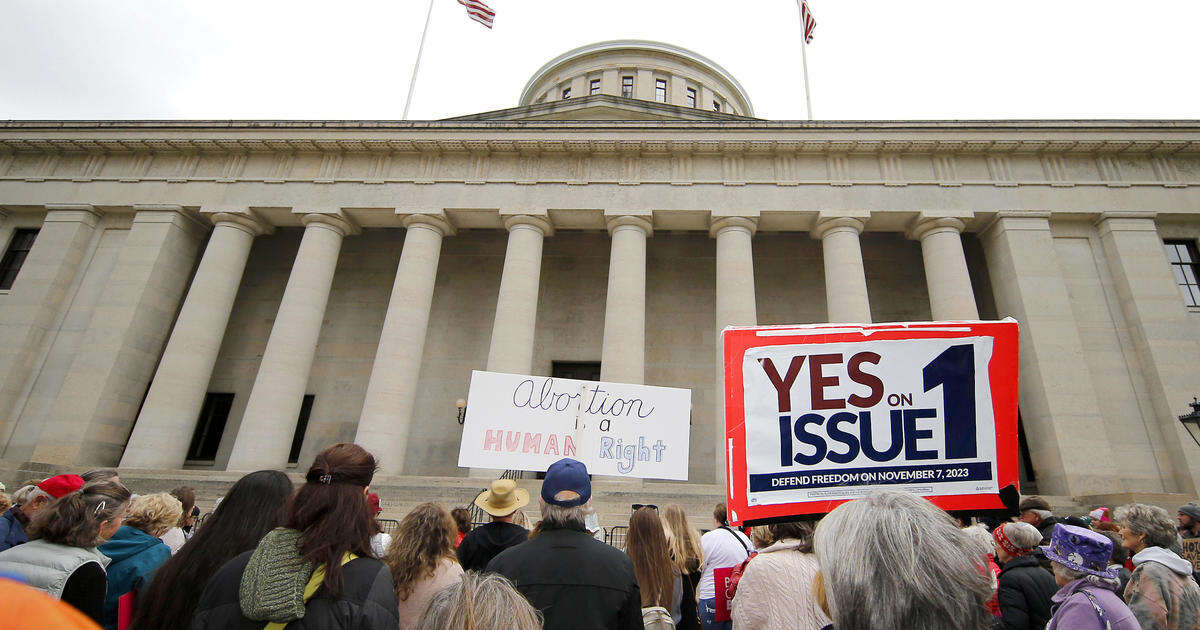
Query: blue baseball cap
pixel 567 474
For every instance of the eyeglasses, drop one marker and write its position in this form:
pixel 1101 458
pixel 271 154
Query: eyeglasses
pixel 638 506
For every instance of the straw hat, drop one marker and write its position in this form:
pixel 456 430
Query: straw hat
pixel 503 498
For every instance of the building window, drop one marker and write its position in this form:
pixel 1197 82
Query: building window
pixel 691 97
pixel 14 257
pixel 1184 262
pixel 578 370
pixel 207 436
pixel 627 87
pixel 716 106
pixel 660 90
pixel 594 87
pixel 301 427
pixel 566 93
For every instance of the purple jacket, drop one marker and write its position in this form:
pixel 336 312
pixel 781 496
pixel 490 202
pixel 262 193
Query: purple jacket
pixel 1073 610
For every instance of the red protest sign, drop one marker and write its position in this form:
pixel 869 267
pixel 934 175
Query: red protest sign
pixel 817 415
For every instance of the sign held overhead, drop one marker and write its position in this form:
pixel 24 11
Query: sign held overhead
pixel 818 415
pixel 518 422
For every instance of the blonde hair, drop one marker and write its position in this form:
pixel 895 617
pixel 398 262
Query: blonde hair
pixel 683 541
pixel 154 513
pixel 424 538
pixel 479 602
pixel 5 501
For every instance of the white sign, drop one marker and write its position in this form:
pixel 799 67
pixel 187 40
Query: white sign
pixel 517 422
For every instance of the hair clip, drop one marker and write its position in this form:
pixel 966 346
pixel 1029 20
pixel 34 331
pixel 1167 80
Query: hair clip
pixel 99 506
pixel 326 478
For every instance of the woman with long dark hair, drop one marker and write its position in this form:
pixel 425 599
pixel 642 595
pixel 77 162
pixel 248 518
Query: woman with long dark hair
pixel 253 507
pixel 659 579
pixel 317 571
pixel 422 559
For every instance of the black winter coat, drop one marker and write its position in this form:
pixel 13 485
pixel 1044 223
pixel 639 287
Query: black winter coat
pixel 1024 595
pixel 482 544
pixel 578 582
pixel 368 601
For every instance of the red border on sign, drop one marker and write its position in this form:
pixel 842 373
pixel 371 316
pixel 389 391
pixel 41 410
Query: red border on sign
pixel 1002 374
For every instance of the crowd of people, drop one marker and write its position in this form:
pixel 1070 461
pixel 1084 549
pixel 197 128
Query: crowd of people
pixel 274 556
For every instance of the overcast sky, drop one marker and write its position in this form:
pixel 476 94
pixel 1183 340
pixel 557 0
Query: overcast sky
pixel 870 59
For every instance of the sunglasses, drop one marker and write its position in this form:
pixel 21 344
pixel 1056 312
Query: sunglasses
pixel 638 506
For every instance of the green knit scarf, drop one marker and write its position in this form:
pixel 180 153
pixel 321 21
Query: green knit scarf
pixel 272 587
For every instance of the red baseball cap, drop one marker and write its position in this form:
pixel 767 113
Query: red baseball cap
pixel 60 486
pixel 373 503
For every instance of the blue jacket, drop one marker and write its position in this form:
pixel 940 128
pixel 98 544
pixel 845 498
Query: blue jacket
pixel 135 556
pixel 12 532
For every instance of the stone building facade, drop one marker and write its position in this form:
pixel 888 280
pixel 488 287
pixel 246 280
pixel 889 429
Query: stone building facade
pixel 186 294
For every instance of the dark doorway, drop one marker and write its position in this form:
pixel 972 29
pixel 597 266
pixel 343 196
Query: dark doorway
pixel 209 427
pixel 1026 473
pixel 301 427
pixel 578 370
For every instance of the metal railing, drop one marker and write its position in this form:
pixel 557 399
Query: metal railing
pixel 615 536
pixel 389 525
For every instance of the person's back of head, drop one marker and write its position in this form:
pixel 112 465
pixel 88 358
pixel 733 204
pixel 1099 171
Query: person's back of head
pixel 462 520
pixel 154 513
pixel 330 510
pixel 800 531
pixel 647 548
pixel 253 507
pixel 424 538
pixel 684 540
pixel 479 602
pixel 101 474
pixel 82 518
pixel 1119 553
pixel 893 560
pixel 721 515
pixel 187 498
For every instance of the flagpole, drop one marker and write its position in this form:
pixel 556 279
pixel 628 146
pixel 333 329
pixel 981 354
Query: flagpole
pixel 804 58
pixel 412 83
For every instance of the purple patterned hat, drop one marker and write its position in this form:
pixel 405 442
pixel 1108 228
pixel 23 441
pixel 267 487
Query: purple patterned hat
pixel 1081 550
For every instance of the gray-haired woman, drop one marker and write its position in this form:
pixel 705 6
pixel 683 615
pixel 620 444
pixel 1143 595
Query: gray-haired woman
pixel 1086 599
pixel 1161 592
pixel 893 560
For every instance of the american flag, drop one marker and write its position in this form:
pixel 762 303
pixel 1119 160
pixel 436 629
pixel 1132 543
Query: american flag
pixel 479 12
pixel 806 15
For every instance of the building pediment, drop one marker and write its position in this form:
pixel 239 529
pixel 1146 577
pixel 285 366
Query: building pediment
pixel 602 107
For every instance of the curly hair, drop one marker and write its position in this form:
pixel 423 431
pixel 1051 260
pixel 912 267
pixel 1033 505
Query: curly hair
pixel 154 513
pixel 424 538
pixel 1156 523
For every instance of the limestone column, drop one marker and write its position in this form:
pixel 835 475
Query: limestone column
pixel 845 280
pixel 511 348
pixel 91 417
pixel 392 390
pixel 1161 329
pixel 735 307
pixel 623 355
pixel 265 435
pixel 38 297
pixel 946 275
pixel 1067 441
pixel 168 417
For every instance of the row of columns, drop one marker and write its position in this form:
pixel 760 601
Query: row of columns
pixel 177 392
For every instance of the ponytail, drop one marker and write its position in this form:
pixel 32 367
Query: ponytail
pixel 74 520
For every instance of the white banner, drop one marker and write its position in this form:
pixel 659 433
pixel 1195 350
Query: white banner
pixel 836 420
pixel 517 422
